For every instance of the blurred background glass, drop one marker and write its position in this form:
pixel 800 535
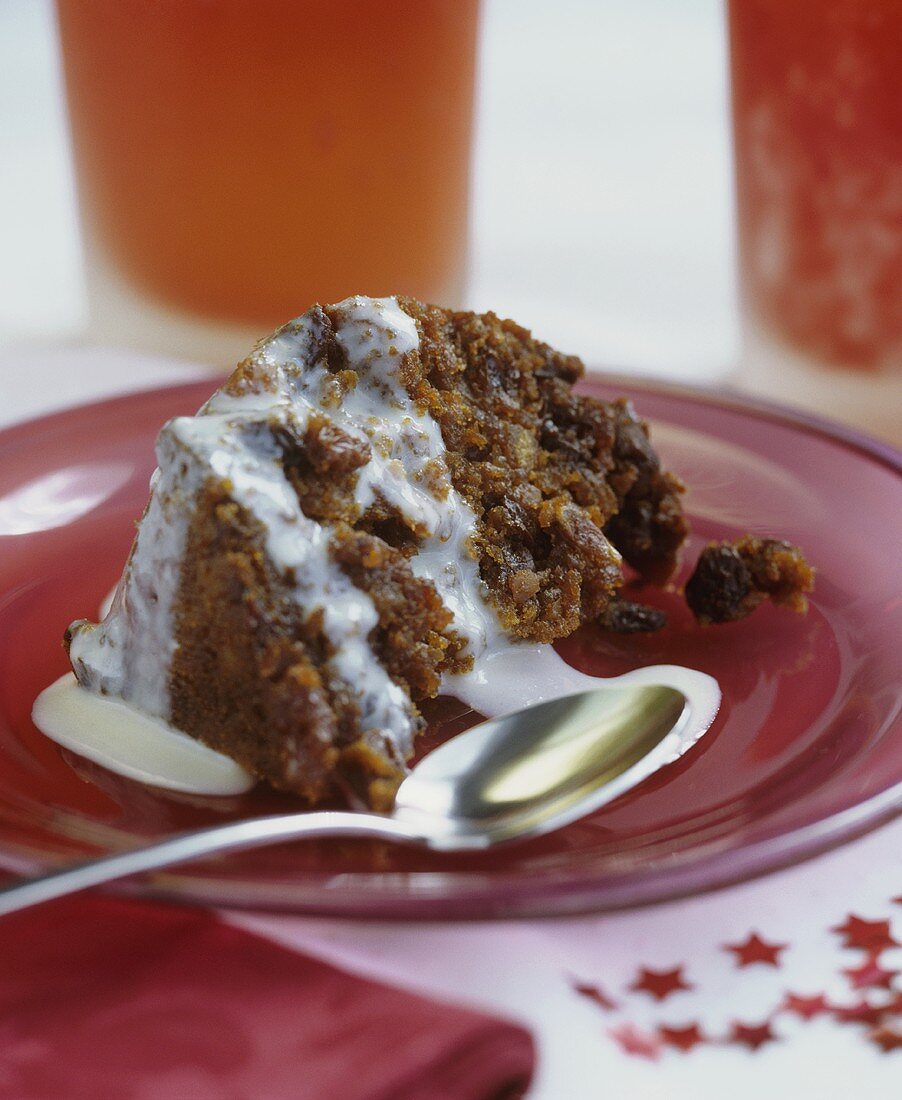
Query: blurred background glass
pixel 602 211
pixel 817 124
pixel 238 159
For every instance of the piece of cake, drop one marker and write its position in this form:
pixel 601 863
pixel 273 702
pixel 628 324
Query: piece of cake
pixel 378 499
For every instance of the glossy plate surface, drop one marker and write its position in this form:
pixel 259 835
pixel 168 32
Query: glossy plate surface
pixel 806 751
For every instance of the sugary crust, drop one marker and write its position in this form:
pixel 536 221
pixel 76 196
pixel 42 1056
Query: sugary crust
pixel 649 526
pixel 554 476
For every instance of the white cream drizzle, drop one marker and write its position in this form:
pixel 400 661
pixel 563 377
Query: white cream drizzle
pixel 128 655
pixel 405 443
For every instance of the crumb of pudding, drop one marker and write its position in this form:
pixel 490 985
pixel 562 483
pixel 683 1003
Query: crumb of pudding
pixel 731 579
pixel 625 617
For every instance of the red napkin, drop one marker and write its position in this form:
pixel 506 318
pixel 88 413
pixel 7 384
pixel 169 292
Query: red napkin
pixel 102 998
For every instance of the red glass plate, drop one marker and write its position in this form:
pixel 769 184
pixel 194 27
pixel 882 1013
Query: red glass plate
pixel 806 750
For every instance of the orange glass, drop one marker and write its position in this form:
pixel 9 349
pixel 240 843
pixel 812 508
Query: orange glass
pixel 239 159
pixel 817 112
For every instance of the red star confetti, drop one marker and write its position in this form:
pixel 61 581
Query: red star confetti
pixel 887 1038
pixel 633 1041
pixel 871 935
pixel 752 1036
pixel 756 950
pixel 805 1007
pixel 861 1013
pixel 878 1011
pixel 595 994
pixel 660 983
pixel 870 975
pixel 683 1038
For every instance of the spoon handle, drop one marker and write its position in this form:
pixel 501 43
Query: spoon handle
pixel 233 837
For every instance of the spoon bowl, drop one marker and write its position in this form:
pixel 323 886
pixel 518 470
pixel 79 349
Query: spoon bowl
pixel 542 767
pixel 513 777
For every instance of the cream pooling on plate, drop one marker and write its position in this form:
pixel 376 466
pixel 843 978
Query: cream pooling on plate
pixel 129 654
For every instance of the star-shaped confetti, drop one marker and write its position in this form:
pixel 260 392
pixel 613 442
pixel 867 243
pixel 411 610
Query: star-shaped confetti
pixel 633 1041
pixel 752 1036
pixel 878 1011
pixel 870 975
pixel 805 1007
pixel 871 935
pixel 683 1038
pixel 660 983
pixel 595 994
pixel 861 1013
pixel 887 1038
pixel 756 950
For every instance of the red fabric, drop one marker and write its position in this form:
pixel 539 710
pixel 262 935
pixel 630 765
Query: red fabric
pixel 102 997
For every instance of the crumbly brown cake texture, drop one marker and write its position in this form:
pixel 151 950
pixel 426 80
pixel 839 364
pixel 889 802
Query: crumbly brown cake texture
pixel 316 521
pixel 564 484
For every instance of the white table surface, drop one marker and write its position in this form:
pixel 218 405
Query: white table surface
pixel 635 270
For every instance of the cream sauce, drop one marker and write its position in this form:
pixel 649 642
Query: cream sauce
pixel 130 743
pixel 115 735
pixel 513 676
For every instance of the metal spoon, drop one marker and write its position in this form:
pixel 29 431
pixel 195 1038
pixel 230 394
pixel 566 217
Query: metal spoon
pixel 513 777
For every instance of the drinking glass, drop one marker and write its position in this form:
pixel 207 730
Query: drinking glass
pixel 237 160
pixel 817 124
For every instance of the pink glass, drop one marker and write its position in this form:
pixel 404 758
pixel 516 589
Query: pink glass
pixel 816 99
pixel 806 751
